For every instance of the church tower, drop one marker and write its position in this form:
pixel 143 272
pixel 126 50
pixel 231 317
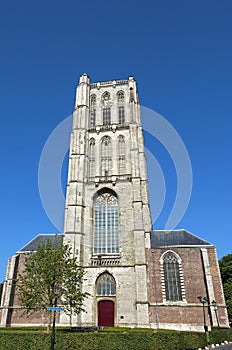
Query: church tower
pixel 135 277
pixel 107 216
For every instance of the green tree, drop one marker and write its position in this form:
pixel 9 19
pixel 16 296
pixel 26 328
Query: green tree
pixel 226 272
pixel 51 276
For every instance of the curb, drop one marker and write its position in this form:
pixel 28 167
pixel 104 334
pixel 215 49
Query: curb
pixel 213 346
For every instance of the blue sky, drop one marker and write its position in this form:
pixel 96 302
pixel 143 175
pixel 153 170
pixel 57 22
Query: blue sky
pixel 180 53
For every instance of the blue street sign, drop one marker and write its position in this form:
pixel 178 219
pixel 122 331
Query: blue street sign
pixel 54 308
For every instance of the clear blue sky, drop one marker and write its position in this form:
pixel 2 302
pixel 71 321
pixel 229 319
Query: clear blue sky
pixel 180 53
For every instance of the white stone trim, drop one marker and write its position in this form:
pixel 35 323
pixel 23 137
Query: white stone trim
pixel 7 290
pixel 181 279
pixel 209 283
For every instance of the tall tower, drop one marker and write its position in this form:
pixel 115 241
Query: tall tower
pixel 107 216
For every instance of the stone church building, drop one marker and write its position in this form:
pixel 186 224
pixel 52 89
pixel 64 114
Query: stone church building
pixel 136 277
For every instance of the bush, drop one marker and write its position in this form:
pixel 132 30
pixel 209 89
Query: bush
pixel 217 336
pixel 109 339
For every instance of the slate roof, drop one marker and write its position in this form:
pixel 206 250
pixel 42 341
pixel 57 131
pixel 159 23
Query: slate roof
pixel 41 239
pixel 175 238
pixel 159 238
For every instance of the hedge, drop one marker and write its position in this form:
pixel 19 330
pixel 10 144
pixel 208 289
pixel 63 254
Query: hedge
pixel 126 340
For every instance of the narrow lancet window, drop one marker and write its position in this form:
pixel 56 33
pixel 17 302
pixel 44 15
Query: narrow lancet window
pixel 106 116
pixel 92 158
pixel 121 109
pixel 106 156
pixel 121 155
pixel 92 112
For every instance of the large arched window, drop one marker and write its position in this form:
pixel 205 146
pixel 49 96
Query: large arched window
pixel 106 156
pixel 106 285
pixel 106 224
pixel 92 113
pixel 121 155
pixel 92 158
pixel 171 273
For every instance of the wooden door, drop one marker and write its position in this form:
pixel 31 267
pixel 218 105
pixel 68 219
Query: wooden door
pixel 106 313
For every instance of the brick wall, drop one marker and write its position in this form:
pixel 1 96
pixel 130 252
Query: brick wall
pixel 187 314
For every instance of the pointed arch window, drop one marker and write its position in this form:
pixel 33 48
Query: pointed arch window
pixel 106 285
pixel 121 110
pixel 172 280
pixel 121 96
pixel 106 156
pixel 92 113
pixel 121 155
pixel 106 224
pixel 92 155
pixel 106 96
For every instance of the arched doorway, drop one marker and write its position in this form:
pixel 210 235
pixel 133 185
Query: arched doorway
pixel 106 297
pixel 106 313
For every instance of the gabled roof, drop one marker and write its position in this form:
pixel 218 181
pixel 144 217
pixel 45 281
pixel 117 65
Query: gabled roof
pixel 32 246
pixel 175 238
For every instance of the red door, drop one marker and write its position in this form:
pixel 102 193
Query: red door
pixel 106 313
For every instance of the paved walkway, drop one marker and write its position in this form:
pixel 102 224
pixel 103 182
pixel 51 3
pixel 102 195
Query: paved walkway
pixel 224 347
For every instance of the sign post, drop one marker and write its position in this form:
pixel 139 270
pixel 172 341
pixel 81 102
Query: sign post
pixel 53 336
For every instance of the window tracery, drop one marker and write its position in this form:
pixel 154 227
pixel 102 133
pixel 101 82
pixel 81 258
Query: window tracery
pixel 106 156
pixel 121 96
pixel 121 155
pixel 106 224
pixel 106 96
pixel 106 285
pixel 172 279
pixel 92 112
pixel 121 109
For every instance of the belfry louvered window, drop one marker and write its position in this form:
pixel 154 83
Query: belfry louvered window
pixel 106 224
pixel 172 277
pixel 106 156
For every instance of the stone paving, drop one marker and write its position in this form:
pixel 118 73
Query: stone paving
pixel 225 346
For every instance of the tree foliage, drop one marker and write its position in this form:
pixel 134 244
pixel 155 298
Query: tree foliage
pixel 51 277
pixel 226 273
